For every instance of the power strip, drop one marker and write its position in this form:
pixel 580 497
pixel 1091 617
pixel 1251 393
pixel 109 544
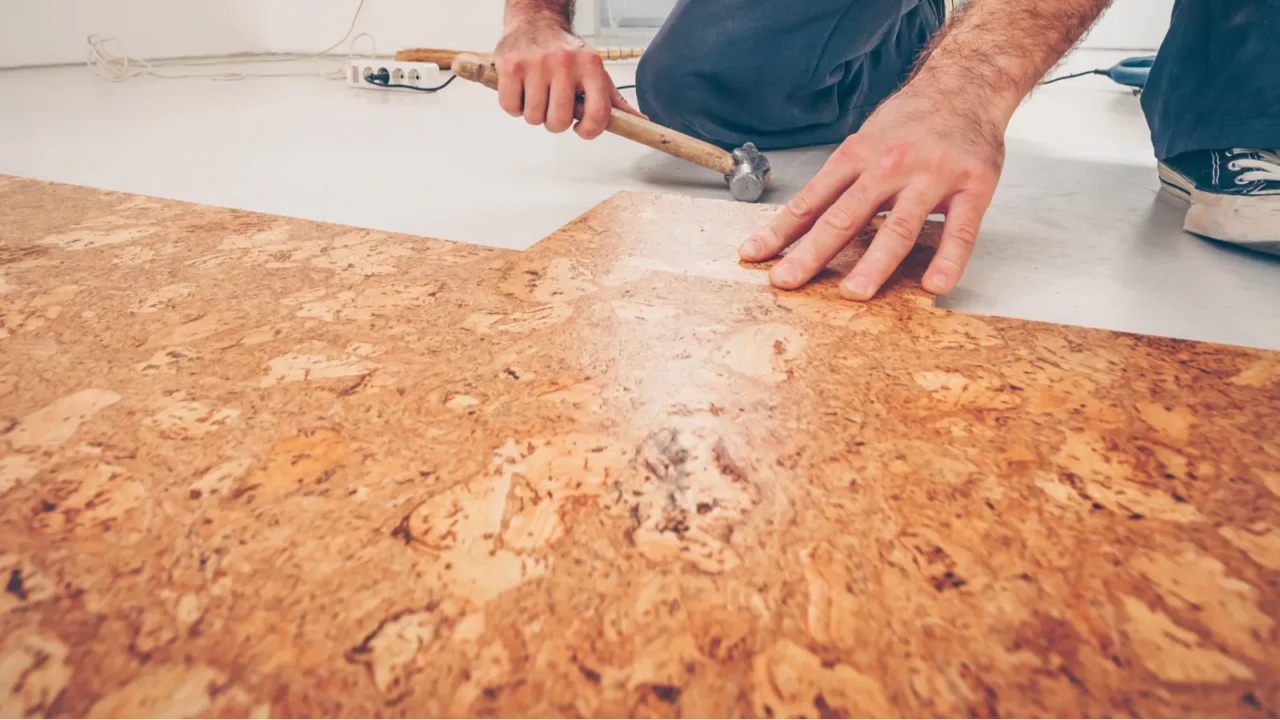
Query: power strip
pixel 413 74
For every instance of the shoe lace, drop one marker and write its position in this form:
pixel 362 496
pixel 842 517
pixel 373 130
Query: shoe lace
pixel 1264 167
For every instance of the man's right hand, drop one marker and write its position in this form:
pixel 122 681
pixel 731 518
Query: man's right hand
pixel 543 70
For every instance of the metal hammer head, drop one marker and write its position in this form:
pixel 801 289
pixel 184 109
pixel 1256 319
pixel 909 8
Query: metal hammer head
pixel 750 173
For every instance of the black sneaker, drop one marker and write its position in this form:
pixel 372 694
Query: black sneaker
pixel 1234 195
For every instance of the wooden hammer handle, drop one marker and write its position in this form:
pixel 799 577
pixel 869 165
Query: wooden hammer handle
pixel 645 132
pixel 444 58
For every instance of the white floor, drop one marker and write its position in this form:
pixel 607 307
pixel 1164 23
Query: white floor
pixel 1077 233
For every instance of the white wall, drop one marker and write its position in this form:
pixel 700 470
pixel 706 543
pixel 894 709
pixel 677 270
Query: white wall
pixel 309 25
pixel 1132 25
pixel 40 32
pixel 37 32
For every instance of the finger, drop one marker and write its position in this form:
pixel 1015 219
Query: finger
pixel 837 174
pixel 511 88
pixel 598 91
pixel 959 234
pixel 535 96
pixel 563 97
pixel 841 222
pixel 892 243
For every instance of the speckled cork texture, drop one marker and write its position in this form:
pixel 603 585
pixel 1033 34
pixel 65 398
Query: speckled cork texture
pixel 259 466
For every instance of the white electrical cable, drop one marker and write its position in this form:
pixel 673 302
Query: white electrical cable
pixel 120 66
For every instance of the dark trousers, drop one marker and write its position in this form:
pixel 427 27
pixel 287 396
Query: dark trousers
pixel 790 74
pixel 1216 80
pixel 780 73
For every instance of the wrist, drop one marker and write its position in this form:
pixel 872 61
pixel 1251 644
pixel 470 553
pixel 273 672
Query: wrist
pixel 533 15
pixel 991 104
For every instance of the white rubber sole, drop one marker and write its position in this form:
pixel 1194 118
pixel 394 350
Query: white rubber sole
pixel 1250 222
pixel 1174 182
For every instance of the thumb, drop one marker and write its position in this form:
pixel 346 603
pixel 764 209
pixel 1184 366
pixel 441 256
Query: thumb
pixel 621 103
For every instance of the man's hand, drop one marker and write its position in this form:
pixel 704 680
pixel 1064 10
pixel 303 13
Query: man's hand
pixel 937 145
pixel 543 69
pixel 917 154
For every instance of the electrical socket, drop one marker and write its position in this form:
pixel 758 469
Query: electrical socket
pixel 414 74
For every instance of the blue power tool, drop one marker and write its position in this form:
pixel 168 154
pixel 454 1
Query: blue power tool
pixel 1130 72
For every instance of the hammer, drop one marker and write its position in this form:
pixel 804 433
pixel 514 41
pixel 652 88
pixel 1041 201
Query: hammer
pixel 745 169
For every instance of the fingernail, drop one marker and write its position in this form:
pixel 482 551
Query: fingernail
pixel 784 274
pixel 858 286
pixel 938 282
pixel 750 249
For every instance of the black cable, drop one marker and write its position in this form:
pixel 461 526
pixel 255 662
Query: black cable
pixel 1075 75
pixel 383 79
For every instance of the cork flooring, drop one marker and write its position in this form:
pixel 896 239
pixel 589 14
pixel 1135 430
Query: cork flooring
pixel 259 466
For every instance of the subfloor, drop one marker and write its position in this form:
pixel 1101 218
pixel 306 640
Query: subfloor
pixel 1077 233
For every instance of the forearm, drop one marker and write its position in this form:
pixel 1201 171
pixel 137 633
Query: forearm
pixel 996 51
pixel 556 11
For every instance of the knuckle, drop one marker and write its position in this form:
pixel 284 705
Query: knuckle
pixel 982 175
pixel 861 194
pixel 769 239
pixel 963 235
pixel 894 158
pixel 556 125
pixel 800 207
pixel 838 218
pixel 589 59
pixel 562 59
pixel 849 151
pixel 975 177
pixel 940 165
pixel 948 266
pixel 899 228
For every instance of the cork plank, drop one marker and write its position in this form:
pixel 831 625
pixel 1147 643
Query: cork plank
pixel 257 466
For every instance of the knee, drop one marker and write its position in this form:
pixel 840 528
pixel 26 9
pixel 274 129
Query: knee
pixel 662 80
pixel 678 89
